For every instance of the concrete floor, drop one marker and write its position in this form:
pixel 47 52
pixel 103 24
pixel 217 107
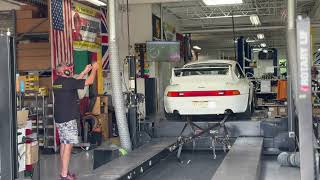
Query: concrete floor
pixel 202 166
pixel 271 170
pixel 81 164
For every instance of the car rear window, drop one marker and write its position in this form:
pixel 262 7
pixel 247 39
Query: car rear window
pixel 204 69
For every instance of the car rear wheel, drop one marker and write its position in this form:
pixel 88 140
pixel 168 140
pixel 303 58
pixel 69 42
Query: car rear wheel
pixel 173 116
pixel 250 109
pixel 168 116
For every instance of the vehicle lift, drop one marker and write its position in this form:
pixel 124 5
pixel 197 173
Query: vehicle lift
pixel 216 136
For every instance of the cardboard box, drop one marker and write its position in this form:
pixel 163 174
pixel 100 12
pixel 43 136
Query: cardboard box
pixel 273 112
pixel 33 63
pixel 33 45
pixel 282 111
pixel 265 86
pixel 38 25
pixel 104 120
pixel 22 118
pixel 33 56
pixel 45 82
pixel 34 9
pixel 101 105
pixel 32 153
pixel 24 14
pixel 34 52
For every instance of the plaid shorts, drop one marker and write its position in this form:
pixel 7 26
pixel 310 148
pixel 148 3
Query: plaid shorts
pixel 68 132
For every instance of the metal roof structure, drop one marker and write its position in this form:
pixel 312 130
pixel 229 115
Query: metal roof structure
pixel 212 27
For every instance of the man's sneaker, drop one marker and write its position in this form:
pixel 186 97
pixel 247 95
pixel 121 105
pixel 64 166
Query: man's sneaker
pixel 72 175
pixel 67 178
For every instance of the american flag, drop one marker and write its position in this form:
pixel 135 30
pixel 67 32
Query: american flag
pixel 61 32
pixel 104 39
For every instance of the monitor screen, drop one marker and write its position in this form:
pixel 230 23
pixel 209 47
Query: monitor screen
pixel 163 51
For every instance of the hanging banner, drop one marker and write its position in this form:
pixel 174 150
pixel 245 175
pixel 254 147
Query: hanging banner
pixel 104 39
pixel 86 28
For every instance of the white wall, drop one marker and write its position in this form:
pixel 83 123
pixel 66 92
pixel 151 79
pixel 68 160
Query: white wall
pixel 140 27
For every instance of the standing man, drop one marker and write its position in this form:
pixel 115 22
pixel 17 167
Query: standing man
pixel 67 109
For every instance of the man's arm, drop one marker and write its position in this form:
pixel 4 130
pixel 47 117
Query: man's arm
pixel 91 78
pixel 85 72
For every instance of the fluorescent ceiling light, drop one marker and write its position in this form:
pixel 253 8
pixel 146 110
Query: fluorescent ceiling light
pixel 265 51
pixel 221 2
pixel 255 20
pixel 248 40
pixel 257 49
pixel 260 36
pixel 97 2
pixel 197 47
pixel 263 45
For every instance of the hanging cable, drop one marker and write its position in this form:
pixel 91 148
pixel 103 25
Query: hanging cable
pixel 128 26
pixel 234 38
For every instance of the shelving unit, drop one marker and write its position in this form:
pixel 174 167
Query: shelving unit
pixel 41 115
pixel 316 97
pixel 272 105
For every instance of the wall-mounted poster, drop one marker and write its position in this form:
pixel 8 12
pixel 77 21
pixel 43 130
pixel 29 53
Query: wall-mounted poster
pixel 156 28
pixel 86 28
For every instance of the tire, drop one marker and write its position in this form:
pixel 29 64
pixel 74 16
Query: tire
pixel 168 116
pixel 173 117
pixel 250 109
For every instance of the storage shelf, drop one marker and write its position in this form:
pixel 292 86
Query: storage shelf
pixel 251 67
pixel 46 127
pixel 259 79
pixel 266 93
pixel 271 105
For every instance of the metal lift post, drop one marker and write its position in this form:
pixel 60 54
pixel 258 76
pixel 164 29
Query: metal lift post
pixel 303 102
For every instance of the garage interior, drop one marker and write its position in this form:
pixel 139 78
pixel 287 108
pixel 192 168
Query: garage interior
pixel 127 129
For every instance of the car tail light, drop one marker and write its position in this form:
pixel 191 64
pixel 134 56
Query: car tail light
pixel 203 93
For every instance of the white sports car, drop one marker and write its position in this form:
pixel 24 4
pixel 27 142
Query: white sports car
pixel 208 88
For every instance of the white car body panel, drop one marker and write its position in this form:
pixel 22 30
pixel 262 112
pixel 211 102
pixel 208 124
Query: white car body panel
pixel 208 105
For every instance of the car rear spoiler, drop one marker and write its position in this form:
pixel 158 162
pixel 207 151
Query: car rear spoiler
pixel 177 71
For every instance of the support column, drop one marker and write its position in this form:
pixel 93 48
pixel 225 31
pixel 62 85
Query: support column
pixel 291 64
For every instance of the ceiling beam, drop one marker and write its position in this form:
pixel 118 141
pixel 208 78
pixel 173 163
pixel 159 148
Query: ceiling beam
pixel 236 29
pixel 199 31
pixel 7 6
pixel 157 1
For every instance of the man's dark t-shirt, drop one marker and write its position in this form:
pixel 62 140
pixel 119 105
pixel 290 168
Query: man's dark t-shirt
pixel 66 99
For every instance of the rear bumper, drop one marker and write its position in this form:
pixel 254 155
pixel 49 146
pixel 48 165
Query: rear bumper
pixel 206 105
